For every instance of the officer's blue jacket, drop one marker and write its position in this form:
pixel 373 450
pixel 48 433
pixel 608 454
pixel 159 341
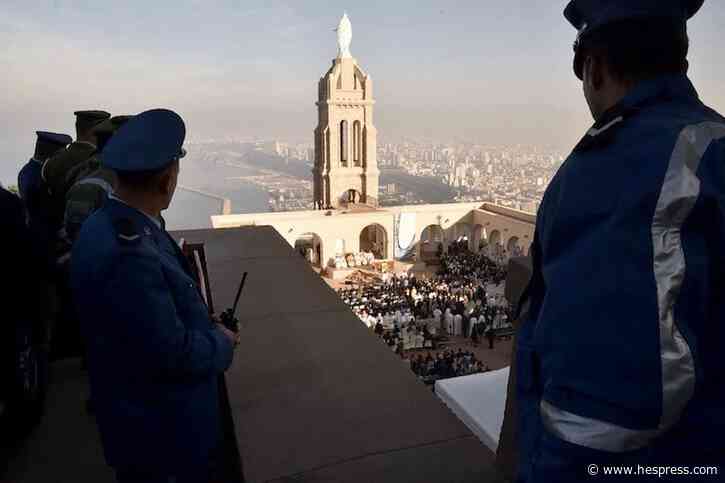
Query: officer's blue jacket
pixel 154 355
pixel 621 353
pixel 38 204
pixel 34 193
pixel 30 179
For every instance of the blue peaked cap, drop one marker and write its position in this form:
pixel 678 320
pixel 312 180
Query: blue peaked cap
pixel 588 15
pixel 149 141
pixel 48 143
pixel 54 138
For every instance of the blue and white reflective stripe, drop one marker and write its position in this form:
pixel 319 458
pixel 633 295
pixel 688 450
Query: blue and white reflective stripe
pixel 680 191
pixel 129 238
pixel 592 433
pixel 101 183
pixel 596 132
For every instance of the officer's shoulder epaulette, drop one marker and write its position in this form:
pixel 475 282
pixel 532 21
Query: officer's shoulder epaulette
pixel 127 232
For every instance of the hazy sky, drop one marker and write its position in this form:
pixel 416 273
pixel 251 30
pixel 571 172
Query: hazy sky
pixel 483 70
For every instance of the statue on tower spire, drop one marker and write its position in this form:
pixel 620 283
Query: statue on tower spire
pixel 344 37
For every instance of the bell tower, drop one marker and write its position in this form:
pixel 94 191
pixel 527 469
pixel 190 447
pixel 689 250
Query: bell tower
pixel 346 167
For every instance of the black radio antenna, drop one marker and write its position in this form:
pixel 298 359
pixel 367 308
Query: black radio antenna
pixel 239 293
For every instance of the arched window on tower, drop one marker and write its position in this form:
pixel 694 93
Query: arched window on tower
pixel 344 145
pixel 364 147
pixel 356 143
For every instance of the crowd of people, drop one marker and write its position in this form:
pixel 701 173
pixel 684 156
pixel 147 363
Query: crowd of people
pixel 410 312
pixel 457 297
pixel 446 364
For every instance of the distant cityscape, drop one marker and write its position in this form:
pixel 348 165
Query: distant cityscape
pixel 511 176
pixel 411 172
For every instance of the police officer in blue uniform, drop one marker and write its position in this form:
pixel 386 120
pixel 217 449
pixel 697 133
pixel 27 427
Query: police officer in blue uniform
pixel 32 188
pixel 154 353
pixel 42 311
pixel 620 348
pixel 46 145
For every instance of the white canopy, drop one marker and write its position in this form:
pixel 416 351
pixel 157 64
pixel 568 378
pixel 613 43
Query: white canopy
pixel 479 401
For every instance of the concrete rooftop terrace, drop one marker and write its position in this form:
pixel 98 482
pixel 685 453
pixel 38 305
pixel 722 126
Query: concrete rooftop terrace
pixel 313 394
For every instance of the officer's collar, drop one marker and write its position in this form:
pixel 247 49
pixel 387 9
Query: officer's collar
pixel 606 123
pixel 157 223
pixel 670 86
pixel 644 93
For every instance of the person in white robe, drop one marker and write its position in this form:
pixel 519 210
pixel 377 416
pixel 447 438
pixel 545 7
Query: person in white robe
pixel 448 316
pixel 388 320
pixel 437 315
pixel 419 340
pixel 472 326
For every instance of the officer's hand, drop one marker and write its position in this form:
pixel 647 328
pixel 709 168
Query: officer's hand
pixel 233 337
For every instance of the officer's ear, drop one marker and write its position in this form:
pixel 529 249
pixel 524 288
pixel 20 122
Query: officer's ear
pixel 167 179
pixel 593 71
